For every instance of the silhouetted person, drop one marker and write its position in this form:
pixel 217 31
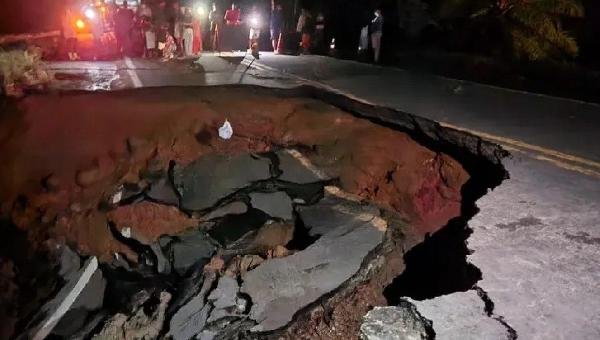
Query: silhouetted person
pixel 304 27
pixel 214 19
pixel 145 16
pixel 123 26
pixel 232 16
pixel 176 19
pixel 376 33
pixel 161 23
pixel 187 21
pixel 319 36
pixel 276 24
pixel 69 34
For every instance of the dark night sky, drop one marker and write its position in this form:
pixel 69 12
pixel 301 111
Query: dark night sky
pixel 29 15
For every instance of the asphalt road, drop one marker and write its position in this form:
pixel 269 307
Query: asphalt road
pixel 537 236
pixel 551 122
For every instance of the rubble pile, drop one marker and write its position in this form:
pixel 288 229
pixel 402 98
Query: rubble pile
pixel 135 225
pixel 266 238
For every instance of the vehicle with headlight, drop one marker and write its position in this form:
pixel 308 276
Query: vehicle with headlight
pixel 95 27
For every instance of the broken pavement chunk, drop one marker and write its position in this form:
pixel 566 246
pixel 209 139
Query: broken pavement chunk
pixel 225 300
pixel 191 249
pixel 162 191
pixel 460 315
pixel 163 266
pixel 90 299
pixel 207 335
pixel 280 287
pixel 293 169
pixel 224 295
pixel 69 262
pixel 66 298
pixel 191 317
pixel 211 178
pixel 331 211
pixel 395 323
pixel 277 204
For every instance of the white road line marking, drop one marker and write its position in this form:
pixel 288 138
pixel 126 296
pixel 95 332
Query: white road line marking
pixel 64 306
pixel 306 163
pixel 132 74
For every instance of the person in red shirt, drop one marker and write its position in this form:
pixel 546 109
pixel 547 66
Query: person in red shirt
pixel 197 27
pixel 232 16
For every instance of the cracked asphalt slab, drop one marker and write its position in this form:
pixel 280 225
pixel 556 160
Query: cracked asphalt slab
pixel 536 238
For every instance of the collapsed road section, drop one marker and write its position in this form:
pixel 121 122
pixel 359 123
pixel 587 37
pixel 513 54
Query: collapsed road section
pixel 126 216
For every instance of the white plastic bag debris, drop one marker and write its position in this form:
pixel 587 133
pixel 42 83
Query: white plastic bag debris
pixel 116 197
pixel 126 232
pixel 226 131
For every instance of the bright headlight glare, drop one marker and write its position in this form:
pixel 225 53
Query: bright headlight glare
pixel 254 21
pixel 79 24
pixel 89 13
pixel 200 11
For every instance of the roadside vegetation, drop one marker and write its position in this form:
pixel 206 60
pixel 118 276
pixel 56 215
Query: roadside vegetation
pixel 21 70
pixel 543 46
pixel 518 29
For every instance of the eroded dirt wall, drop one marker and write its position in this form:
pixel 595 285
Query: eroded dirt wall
pixel 63 154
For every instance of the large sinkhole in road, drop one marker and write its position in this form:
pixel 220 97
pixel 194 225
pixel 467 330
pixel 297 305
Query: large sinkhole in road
pixel 125 215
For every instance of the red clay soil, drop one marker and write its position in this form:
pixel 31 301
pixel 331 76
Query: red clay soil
pixel 65 153
pixel 148 221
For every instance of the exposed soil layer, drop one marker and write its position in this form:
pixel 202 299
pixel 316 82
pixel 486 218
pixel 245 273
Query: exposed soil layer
pixel 66 155
pixel 150 220
pixel 62 150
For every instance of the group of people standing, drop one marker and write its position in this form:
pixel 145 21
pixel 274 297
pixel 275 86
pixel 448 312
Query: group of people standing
pixel 310 30
pixel 177 30
pixel 309 27
pixel 153 29
pixel 166 26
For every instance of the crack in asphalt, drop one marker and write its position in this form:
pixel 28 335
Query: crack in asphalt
pixel 511 333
